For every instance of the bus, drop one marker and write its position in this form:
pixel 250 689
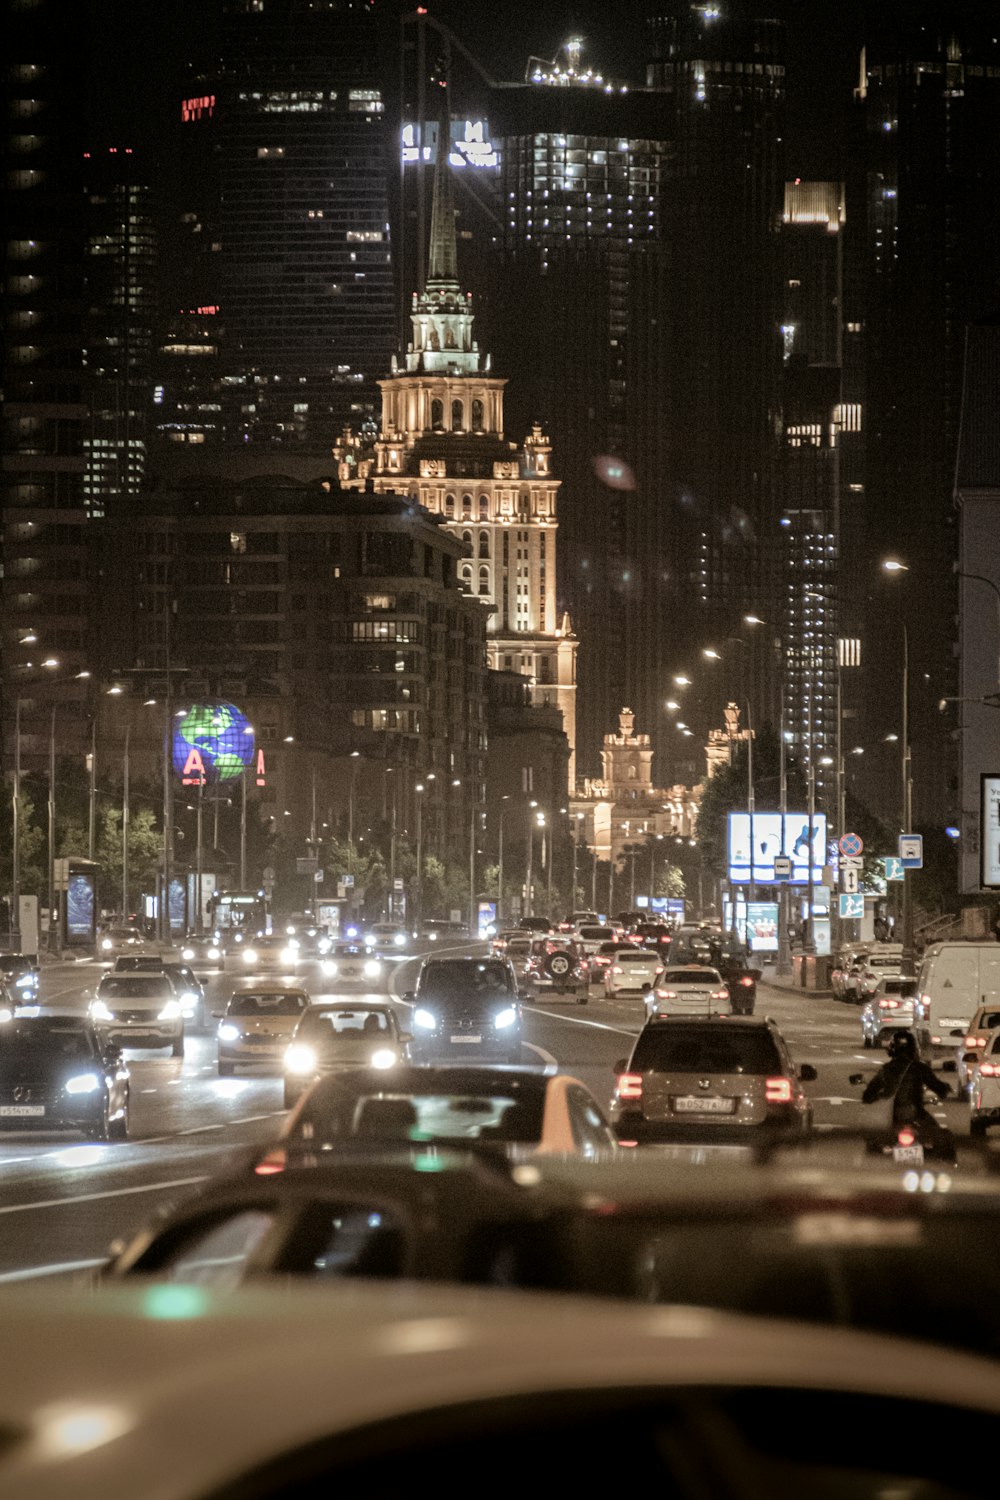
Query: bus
pixel 237 915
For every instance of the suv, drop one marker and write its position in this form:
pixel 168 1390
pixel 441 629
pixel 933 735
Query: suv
pixel 139 1010
pixel 557 963
pixel 722 1078
pixel 21 976
pixel 468 1008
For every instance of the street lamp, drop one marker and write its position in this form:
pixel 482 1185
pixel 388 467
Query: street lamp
pixel 531 846
pixel 503 799
pixel 893 565
pixel 419 788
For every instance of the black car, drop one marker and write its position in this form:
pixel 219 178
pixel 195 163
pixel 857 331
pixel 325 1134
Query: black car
pixel 57 1074
pixel 467 1008
pixel 20 974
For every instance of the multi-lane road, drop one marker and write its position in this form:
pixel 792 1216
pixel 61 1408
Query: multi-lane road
pixel 63 1200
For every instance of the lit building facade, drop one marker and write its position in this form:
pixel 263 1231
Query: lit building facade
pixel 624 807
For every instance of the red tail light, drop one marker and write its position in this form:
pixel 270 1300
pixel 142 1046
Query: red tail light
pixel 746 981
pixel 925 1001
pixel 630 1086
pixel 778 1091
pixel 906 1138
pixel 889 1004
pixel 719 995
pixel 666 994
pixel 975 1041
pixel 990 1070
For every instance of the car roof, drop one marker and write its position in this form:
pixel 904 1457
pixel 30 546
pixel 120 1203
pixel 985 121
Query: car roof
pixel 266 1370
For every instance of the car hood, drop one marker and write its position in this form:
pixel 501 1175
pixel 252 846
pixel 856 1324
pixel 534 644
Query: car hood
pixel 265 1025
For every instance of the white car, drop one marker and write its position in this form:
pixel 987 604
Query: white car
pixel 276 952
pixel 351 963
pixel 984 1092
pixel 590 939
pixel 689 990
pixel 256 1027
pixel 139 1010
pixel 387 939
pixel 893 1006
pixel 982 1029
pixel 877 966
pixel 632 971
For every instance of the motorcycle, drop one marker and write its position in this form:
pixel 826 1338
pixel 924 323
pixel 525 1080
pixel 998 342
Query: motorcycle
pixel 910 1142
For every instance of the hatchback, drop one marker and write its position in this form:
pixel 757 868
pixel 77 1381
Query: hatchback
pixel 632 971
pixel 714 1079
pixel 893 1006
pixel 694 990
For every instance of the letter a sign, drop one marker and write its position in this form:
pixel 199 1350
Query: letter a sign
pixel 194 770
pixel 260 769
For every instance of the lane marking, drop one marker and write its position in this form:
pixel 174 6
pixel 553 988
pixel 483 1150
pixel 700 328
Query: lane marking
pixel 54 1270
pixel 146 1187
pixel 151 1140
pixel 579 1021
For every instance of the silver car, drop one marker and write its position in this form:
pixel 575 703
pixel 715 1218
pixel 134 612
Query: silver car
pixel 257 1026
pixel 139 1010
pixel 894 1006
pixel 691 990
pixel 632 970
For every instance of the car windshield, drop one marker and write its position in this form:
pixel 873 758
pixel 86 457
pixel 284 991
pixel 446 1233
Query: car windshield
pixel 134 986
pixel 348 950
pixel 282 1003
pixel 692 976
pixel 705 1049
pixel 129 964
pixel 454 981
pixel 48 1034
pixel 433 1117
pixel 342 1025
pixel 181 972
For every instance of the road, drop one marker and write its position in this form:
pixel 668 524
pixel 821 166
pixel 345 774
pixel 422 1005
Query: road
pixel 63 1201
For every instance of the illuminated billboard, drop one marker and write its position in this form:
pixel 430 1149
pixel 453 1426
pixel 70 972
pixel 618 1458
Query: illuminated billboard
pixel 213 742
pixel 989 832
pixel 752 858
pixel 470 144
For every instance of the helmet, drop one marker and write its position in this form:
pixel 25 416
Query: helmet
pixel 902 1044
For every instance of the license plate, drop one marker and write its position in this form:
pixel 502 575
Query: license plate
pixel 913 1154
pixel 21 1111
pixel 713 1104
pixel 466 1038
pixel 952 1021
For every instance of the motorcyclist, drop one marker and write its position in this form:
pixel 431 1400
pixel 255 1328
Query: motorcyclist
pixel 903 1080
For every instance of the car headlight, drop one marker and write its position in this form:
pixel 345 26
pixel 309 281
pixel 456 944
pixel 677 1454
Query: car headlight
pixel 249 955
pixel 505 1018
pixel 432 937
pixel 400 939
pixel 188 1002
pixel 27 982
pixel 228 1032
pixel 170 1011
pixel 300 1059
pixel 290 954
pixel 83 1083
pixel 214 953
pixel 237 937
pixel 294 943
pixel 99 1011
pixel 6 1015
pixel 383 1057
pixel 425 1019
pixel 328 968
pixel 323 946
pixel 372 968
pixel 370 939
pixel 187 954
pixel 107 944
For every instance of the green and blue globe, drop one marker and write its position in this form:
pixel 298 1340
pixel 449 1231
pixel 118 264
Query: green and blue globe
pixel 220 734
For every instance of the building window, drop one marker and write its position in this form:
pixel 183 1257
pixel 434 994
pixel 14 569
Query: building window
pixel 449 505
pixel 437 416
pixel 484 508
pixel 484 544
pixel 457 416
pixel 484 580
pixel 477 416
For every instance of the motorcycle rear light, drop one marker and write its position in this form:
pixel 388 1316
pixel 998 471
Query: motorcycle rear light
pixel 778 1091
pixel 990 1070
pixel 906 1138
pixel 746 981
pixel 630 1086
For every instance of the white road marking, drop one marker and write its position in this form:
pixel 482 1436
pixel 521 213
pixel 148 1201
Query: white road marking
pixel 153 1140
pixel 146 1187
pixel 579 1021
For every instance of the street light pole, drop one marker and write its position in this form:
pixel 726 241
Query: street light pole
pixel 53 920
pixel 15 894
pixel 92 793
pixel 419 888
pixel 125 825
pixel 907 802
pixel 243 830
pixel 752 890
pixel 473 925
pixel 529 904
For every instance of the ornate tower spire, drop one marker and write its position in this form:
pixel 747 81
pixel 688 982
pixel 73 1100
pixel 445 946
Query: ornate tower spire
pixel 443 264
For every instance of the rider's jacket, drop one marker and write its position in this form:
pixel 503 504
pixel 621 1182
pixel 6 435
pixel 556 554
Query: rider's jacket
pixel 903 1079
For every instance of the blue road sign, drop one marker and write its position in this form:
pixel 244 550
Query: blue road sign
pixel 911 850
pixel 893 867
pixel 852 908
pixel 851 843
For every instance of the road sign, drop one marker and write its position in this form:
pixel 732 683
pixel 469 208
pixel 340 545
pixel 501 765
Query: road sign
pixel 911 850
pixel 852 862
pixel 347 880
pixel 269 876
pixel 849 882
pixel 852 908
pixel 318 877
pixel 306 865
pixel 850 843
pixel 397 884
pixel 893 867
pixel 782 867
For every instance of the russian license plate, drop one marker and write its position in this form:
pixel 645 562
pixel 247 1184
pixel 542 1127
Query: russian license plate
pixel 21 1111
pixel 912 1154
pixel 466 1038
pixel 711 1104
pixel 951 1021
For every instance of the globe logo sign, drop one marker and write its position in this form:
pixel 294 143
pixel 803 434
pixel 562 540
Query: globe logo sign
pixel 213 742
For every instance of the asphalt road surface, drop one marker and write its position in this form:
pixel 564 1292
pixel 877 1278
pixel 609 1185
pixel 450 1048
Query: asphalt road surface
pixel 63 1201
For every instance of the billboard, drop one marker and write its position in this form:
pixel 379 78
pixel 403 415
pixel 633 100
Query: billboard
pixel 751 855
pixel 989 832
pixel 213 742
pixel 81 910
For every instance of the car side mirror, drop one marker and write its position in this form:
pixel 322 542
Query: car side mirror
pixel 525 995
pixel 408 997
pixel 621 1066
pixel 406 1036
pixel 855 1077
pixel 807 1073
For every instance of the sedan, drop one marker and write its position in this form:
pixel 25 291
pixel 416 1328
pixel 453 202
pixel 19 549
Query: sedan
pixel 518 1112
pixel 694 990
pixel 115 940
pixel 633 971
pixel 204 954
pixel 352 963
pixel 330 1038
pixel 388 939
pixel 984 1090
pixel 257 1026
pixel 57 1073
pixel 893 1006
pixel 981 1032
pixel 271 951
pixel 21 975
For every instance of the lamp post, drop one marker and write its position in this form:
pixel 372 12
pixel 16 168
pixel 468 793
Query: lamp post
pixel 15 895
pixel 419 888
pixel 125 825
pixel 894 566
pixel 500 861
pixel 53 934
pixel 355 758
pixel 529 904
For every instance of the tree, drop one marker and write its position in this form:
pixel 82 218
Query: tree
pixel 727 791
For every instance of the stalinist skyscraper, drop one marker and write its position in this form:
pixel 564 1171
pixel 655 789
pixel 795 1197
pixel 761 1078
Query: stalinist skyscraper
pixel 442 443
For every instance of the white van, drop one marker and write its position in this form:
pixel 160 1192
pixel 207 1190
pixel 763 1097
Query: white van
pixel 955 979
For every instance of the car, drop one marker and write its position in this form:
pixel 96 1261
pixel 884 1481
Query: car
pixel 535 924
pixel 139 1010
pixel 718 1078
pixel 601 960
pixel 688 990
pixel 984 1088
pixel 58 1073
pixel 955 979
pixel 138 963
pixel 590 937
pixel 893 1006
pixel 846 965
pixel 268 1391
pixel 581 918
pixel 329 1038
pixel 268 951
pixel 437 929
pixel 654 935
pixel 190 991
pixel 206 955
pixel 351 963
pixel 557 963
pixel 973 1045
pixel 388 939
pixel 21 976
pixel 882 961
pixel 122 939
pixel 257 1025
pixel 698 942
pixel 633 971
pixel 465 1007
pixel 518 953
pixel 520 1112
pixel 502 939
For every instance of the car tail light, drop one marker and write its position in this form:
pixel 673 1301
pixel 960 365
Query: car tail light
pixel 746 980
pixel 666 994
pixel 616 968
pixel 925 1001
pixel 719 995
pixel 990 1070
pixel 887 1004
pixel 975 1041
pixel 630 1086
pixel 778 1091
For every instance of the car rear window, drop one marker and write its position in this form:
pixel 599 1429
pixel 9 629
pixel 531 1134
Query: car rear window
pixel 691 976
pixel 451 1117
pixel 597 934
pixel 351 1025
pixel 286 1004
pixel 705 1049
pixel 638 956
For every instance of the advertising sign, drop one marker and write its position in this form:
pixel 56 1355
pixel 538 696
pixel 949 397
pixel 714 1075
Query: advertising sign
pixel 775 834
pixel 989 832
pixel 177 906
pixel 81 910
pixel 487 919
pixel 213 743
pixel 762 926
